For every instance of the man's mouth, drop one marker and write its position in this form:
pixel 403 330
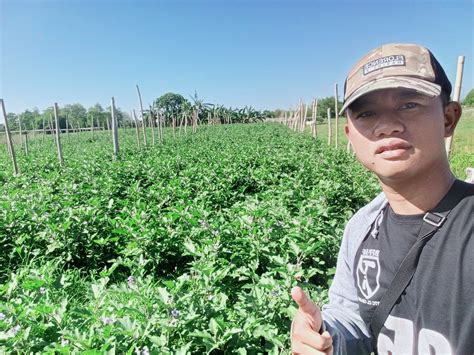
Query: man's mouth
pixel 392 147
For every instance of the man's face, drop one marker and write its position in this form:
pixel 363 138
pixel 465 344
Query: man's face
pixel 398 133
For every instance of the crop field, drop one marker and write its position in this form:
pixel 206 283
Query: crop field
pixel 190 246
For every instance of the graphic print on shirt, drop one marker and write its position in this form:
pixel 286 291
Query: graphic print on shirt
pixel 401 338
pixel 368 272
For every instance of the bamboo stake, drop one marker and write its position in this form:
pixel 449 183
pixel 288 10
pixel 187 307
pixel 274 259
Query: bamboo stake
pixel 134 115
pixel 114 129
pixel 67 129
pixel 9 140
pixel 58 139
pixel 143 117
pixel 144 132
pixel 315 122
pixel 456 97
pixel 21 132
pixel 92 126
pixel 329 126
pixel 44 133
pixel 302 116
pixel 160 125
pixel 26 143
pixel 305 116
pixel 180 125
pixel 336 97
pixel 51 127
pixel 186 125
pixel 152 124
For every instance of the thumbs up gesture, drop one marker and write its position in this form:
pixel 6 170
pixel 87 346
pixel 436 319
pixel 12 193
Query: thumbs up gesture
pixel 305 336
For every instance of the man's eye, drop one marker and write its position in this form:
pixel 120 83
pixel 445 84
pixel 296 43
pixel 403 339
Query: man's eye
pixel 365 114
pixel 408 105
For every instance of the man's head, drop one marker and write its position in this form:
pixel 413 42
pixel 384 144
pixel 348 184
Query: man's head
pixel 398 110
pixel 393 66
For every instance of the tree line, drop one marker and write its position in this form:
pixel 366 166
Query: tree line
pixel 171 108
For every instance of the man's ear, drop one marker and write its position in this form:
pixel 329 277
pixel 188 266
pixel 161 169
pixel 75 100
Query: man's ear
pixel 452 114
pixel 346 130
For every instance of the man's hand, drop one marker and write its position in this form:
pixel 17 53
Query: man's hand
pixel 305 337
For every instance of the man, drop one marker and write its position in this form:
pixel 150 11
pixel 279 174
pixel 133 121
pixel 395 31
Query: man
pixel 396 99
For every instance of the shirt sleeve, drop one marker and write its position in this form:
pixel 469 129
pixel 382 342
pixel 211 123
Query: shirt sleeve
pixel 341 315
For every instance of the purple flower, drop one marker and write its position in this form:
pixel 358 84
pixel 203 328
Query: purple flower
pixel 144 352
pixel 2 316
pixel 175 313
pixel 131 281
pixel 204 224
pixel 15 329
pixel 106 320
pixel 275 293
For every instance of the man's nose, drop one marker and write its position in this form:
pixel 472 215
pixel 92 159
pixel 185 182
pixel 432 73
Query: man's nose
pixel 388 123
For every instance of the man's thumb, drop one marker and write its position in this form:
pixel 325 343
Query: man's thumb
pixel 304 303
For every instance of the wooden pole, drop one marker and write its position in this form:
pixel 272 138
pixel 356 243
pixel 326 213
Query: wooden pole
pixel 315 119
pixel 456 97
pixel 305 117
pixel 92 126
pixel 160 125
pixel 152 124
pixel 186 124
pixel 144 132
pixel 329 126
pixel 9 140
pixel 67 129
pixel 336 97
pixel 302 116
pixel 134 115
pixel 58 139
pixel 26 143
pixel 21 132
pixel 114 129
pixel 143 116
pixel 44 133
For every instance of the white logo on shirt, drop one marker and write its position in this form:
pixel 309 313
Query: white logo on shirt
pixel 368 272
pixel 403 339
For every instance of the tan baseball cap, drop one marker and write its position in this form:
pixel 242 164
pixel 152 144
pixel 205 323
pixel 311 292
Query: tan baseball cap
pixel 396 65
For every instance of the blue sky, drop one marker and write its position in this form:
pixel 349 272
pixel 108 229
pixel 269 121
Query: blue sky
pixel 267 54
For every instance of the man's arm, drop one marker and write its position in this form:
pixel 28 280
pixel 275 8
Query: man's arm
pixel 341 318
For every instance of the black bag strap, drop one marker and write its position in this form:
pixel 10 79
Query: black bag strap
pixel 432 222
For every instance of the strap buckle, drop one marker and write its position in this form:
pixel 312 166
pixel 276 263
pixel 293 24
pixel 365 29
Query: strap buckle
pixel 435 219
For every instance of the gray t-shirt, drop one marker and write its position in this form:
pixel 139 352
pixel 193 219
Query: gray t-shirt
pixel 435 314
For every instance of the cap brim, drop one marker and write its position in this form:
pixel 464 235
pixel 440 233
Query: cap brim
pixel 419 85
